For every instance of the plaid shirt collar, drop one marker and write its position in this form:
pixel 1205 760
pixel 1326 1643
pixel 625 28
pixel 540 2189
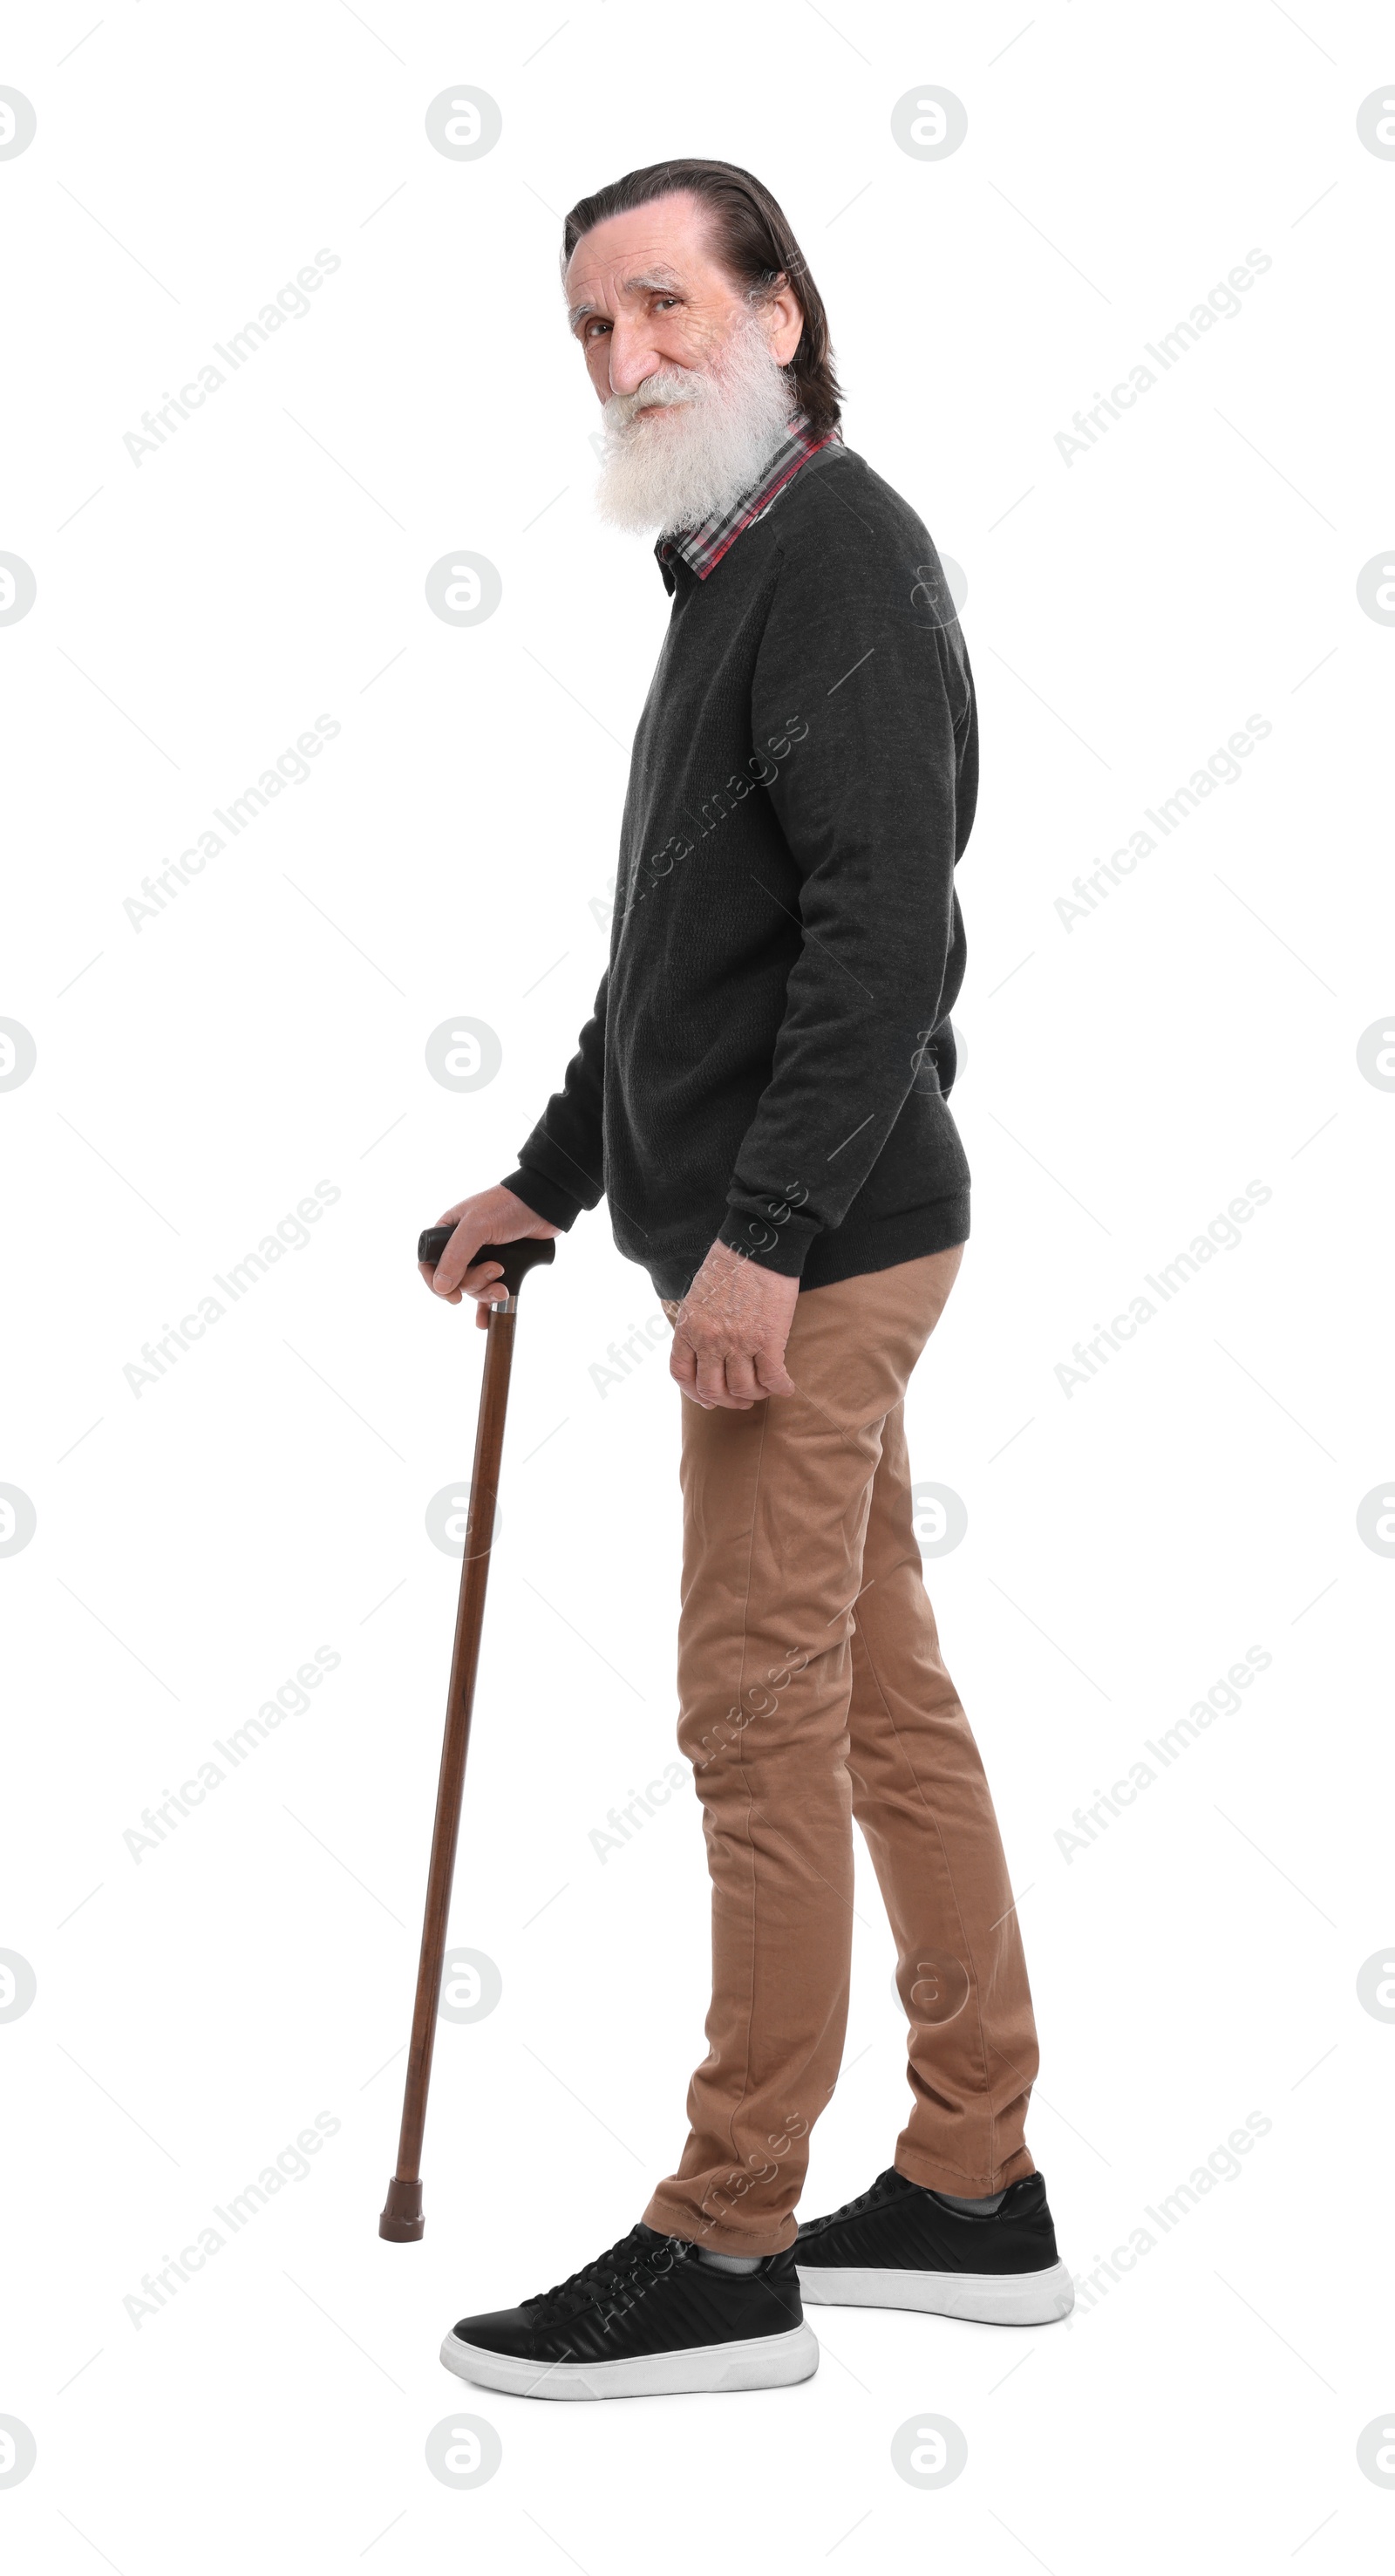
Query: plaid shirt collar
pixel 702 548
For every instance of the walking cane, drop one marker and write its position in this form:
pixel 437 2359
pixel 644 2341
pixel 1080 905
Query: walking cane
pixel 402 2221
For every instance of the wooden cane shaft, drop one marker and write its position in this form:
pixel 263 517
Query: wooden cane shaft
pixel 469 1622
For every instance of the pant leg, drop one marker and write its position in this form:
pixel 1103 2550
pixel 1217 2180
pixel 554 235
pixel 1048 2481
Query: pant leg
pixel 775 1506
pixel 923 1803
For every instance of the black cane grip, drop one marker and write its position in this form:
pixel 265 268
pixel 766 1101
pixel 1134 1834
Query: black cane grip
pixel 517 1259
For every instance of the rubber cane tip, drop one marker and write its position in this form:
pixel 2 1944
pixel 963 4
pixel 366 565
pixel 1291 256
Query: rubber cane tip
pixel 402 2222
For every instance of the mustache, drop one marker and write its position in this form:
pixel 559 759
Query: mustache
pixel 667 387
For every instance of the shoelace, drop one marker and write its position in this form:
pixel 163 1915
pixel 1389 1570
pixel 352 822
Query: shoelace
pixel 619 2260
pixel 875 2191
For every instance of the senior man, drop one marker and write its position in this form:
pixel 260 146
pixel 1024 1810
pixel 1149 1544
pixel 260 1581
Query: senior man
pixel 761 1096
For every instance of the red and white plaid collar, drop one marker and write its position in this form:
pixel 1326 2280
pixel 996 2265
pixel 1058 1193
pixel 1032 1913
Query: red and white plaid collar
pixel 702 548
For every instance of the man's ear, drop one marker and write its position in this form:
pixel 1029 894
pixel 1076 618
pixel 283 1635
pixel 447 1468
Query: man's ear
pixel 784 319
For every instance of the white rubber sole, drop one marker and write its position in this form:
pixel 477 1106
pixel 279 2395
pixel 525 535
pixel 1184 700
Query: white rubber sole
pixel 767 2361
pixel 986 2298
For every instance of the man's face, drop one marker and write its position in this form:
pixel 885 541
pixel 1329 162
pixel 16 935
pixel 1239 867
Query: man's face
pixel 644 292
pixel 690 374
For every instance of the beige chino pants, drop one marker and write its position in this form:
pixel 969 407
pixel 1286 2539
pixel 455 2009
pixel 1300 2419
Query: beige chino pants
pixel 812 1690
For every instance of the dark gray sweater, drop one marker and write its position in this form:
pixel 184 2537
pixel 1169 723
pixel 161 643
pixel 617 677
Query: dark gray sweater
pixel 770 1051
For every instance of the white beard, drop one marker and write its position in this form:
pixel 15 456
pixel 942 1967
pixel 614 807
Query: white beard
pixel 694 458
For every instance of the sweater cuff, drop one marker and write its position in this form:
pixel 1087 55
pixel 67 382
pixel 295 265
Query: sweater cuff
pixel 545 1197
pixel 783 1247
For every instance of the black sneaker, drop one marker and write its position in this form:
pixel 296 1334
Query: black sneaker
pixel 646 2319
pixel 897 2246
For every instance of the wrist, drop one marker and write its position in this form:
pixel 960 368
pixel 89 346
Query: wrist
pixel 542 1197
pixel 773 1241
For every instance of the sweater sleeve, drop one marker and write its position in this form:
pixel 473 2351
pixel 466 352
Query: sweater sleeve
pixel 561 1165
pixel 863 703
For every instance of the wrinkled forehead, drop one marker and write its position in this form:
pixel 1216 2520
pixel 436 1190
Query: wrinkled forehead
pixel 609 290
pixel 659 248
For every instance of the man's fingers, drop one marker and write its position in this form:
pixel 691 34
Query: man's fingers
pixel 460 1274
pixel 736 1319
pixel 774 1378
pixel 460 1267
pixel 491 1217
pixel 455 1260
pixel 711 1378
pixel 482 1278
pixel 430 1276
pixel 683 1369
pixel 741 1379
pixel 732 1380
pixel 726 1378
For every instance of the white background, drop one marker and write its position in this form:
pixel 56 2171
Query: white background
pixel 197 2006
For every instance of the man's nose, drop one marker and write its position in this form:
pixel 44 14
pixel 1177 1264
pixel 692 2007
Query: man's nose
pixel 633 356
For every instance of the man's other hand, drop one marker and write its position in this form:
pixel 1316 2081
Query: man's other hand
pixel 492 1216
pixel 730 1332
